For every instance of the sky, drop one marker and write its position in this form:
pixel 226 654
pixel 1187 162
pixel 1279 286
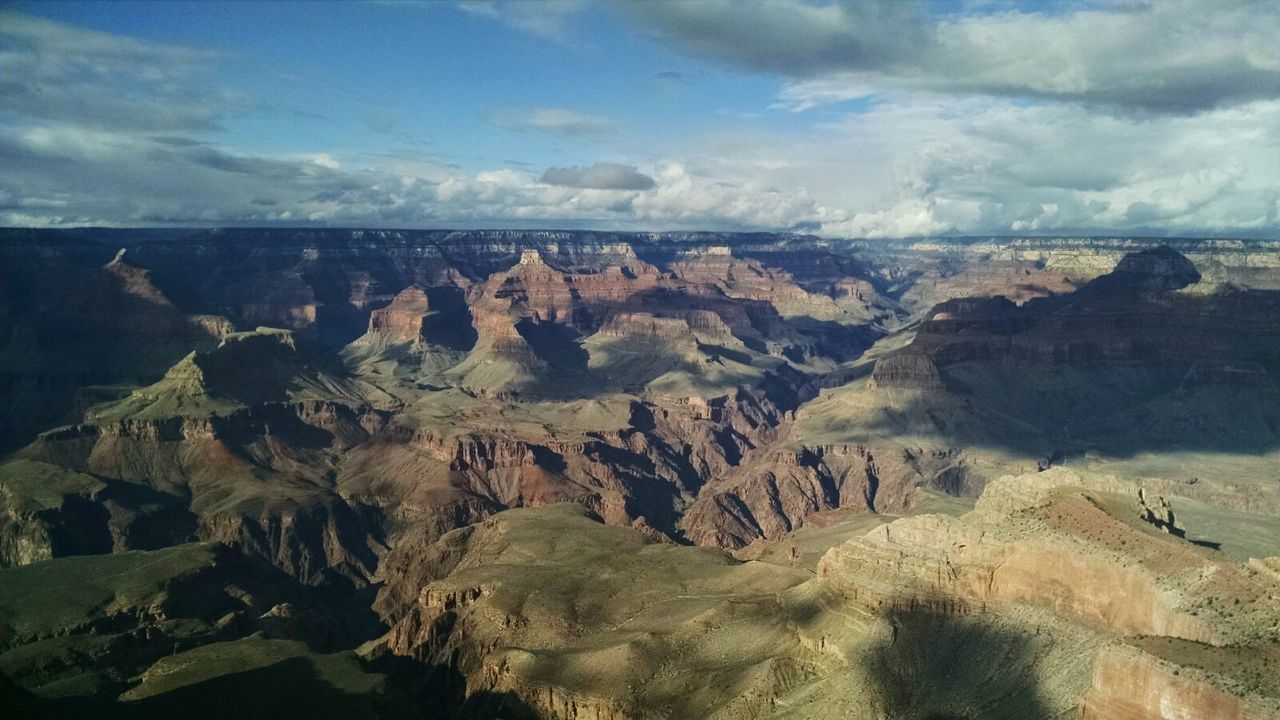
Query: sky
pixel 840 118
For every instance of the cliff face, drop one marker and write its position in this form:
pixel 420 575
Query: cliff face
pixel 986 615
pixel 232 444
pixel 78 321
pixel 1133 362
pixel 161 482
pixel 775 493
pixel 1131 685
pixel 906 370
pixel 1124 361
pixel 401 321
pixel 1083 547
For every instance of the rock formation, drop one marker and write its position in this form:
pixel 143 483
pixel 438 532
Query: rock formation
pixel 642 475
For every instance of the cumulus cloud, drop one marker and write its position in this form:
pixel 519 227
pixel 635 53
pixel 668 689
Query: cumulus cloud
pixel 925 164
pixel 600 176
pixel 914 165
pixel 999 166
pixel 1170 56
pixel 555 121
pixel 59 176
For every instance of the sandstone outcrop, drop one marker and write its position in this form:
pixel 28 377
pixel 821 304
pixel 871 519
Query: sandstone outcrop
pixel 1131 685
pixel 1158 269
pixel 1059 540
pixel 928 598
pixel 401 321
pixel 906 370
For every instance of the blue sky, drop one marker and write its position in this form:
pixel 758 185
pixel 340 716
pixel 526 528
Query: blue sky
pixel 332 73
pixel 847 119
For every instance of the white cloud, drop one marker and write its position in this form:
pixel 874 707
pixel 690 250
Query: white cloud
pixel 1165 56
pixel 1002 167
pixel 545 19
pixel 913 165
pixel 53 71
pixel 555 121
pixel 919 163
pixel 122 179
pixel 600 176
pixel 325 161
pixel 78 149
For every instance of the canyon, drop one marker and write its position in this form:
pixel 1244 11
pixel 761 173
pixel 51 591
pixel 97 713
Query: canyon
pixel 573 474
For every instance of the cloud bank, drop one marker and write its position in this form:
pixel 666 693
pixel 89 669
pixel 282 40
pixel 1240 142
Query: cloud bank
pixel 600 176
pixel 1122 117
pixel 1177 56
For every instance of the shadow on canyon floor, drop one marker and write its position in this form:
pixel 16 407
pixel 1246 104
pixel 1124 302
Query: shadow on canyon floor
pixel 944 666
pixel 289 688
pixel 294 687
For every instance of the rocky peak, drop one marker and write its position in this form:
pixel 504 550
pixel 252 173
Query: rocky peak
pixel 135 281
pixel 531 258
pixel 257 340
pixel 1157 269
pixel 1156 510
pixel 401 321
pixel 243 361
pixel 709 323
pixel 645 325
pixel 912 370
